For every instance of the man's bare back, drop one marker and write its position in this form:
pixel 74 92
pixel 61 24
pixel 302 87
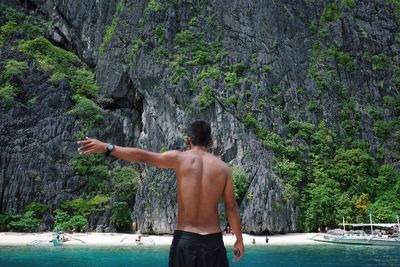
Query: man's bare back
pixel 201 179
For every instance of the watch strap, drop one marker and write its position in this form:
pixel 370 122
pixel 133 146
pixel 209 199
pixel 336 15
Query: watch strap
pixel 109 149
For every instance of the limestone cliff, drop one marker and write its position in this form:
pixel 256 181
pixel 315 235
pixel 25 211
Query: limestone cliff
pixel 248 67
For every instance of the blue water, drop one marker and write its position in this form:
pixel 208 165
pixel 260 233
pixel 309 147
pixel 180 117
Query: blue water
pixel 256 256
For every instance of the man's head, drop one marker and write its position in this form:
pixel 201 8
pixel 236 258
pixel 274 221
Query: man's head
pixel 199 134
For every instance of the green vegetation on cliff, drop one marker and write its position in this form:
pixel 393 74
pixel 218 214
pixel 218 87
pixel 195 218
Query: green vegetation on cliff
pixel 330 117
pixel 110 29
pixel 332 172
pixel 27 222
pixel 8 90
pixel 64 65
pixel 240 183
pixel 57 63
pixel 14 23
pixel 34 53
pixel 327 167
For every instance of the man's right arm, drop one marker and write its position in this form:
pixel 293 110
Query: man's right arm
pixel 232 212
pixel 167 159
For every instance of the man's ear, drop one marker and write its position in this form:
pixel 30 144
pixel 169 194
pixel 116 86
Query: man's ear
pixel 189 142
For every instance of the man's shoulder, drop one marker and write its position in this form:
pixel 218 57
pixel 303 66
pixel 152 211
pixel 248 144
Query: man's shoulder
pixel 214 158
pixel 217 161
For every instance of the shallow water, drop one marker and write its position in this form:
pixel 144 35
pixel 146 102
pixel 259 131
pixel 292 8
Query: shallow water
pixel 256 256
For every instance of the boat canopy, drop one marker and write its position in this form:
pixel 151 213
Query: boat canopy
pixel 383 225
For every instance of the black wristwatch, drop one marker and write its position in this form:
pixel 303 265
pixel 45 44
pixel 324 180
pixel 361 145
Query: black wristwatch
pixel 109 148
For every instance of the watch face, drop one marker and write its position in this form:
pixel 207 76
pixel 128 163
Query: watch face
pixel 110 147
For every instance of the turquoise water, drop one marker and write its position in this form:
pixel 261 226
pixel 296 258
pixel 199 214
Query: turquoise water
pixel 256 256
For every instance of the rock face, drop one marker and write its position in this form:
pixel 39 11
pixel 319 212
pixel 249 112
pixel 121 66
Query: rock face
pixel 134 49
pixel 33 140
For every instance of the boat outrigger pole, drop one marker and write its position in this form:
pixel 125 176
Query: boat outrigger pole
pixel 344 227
pixel 398 226
pixel 370 220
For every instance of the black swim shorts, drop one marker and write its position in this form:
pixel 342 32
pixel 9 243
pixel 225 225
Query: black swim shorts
pixel 196 250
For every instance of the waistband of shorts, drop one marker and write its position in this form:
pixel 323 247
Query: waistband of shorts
pixel 215 237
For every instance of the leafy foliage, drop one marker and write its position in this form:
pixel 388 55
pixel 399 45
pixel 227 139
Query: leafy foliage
pixel 152 6
pixel 379 62
pixel 17 22
pixel 109 30
pixel 125 182
pixel 73 214
pixel 5 219
pixel 81 206
pixel 25 222
pixel 82 81
pixel 250 120
pixel 89 112
pixel 94 167
pixel 195 51
pixel 121 216
pixel 240 183
pixel 8 90
pixel 13 67
pixel 349 3
pixel 62 64
pixel 341 58
pixel 47 56
pixel 231 79
pixel 330 13
pixel 66 222
pixel 206 97
pixel 6 30
pixel 336 181
pixel 37 208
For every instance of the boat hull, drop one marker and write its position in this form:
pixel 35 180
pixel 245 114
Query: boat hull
pixel 349 240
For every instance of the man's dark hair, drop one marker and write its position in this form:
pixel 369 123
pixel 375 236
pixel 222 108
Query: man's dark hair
pixel 200 133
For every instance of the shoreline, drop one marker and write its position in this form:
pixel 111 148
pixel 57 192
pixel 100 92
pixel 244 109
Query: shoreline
pixel 121 239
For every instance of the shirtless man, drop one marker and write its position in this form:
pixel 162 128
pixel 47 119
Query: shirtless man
pixel 202 179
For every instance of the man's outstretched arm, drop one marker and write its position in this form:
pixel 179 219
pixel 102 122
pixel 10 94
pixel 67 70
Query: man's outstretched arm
pixel 232 212
pixel 167 159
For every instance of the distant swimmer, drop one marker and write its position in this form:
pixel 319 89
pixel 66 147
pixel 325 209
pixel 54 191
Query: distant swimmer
pixel 201 180
pixel 139 237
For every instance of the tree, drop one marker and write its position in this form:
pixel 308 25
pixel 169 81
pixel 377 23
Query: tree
pixel 322 207
pixel 121 216
pixel 240 183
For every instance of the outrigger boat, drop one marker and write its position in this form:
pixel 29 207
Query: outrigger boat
pixel 389 237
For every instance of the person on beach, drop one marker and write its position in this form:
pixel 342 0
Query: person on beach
pixel 202 179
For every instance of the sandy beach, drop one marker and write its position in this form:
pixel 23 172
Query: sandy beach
pixel 120 239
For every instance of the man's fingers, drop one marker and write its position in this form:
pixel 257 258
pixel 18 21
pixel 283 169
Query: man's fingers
pixel 91 145
pixel 238 252
pixel 86 147
pixel 89 151
pixel 83 149
pixel 84 142
pixel 238 255
pixel 236 259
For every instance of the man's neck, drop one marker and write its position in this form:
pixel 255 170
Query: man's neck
pixel 199 148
